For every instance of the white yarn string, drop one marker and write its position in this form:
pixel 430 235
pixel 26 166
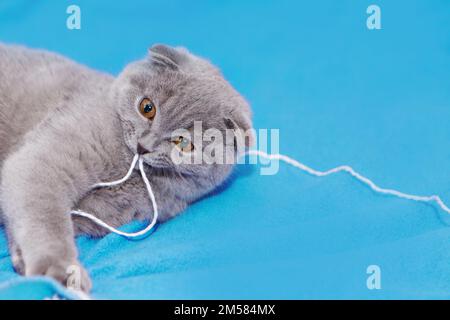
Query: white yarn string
pixel 146 231
pixel 356 175
pixel 120 181
pixel 135 235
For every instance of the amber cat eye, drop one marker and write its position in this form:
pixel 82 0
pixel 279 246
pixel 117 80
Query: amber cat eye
pixel 183 144
pixel 147 108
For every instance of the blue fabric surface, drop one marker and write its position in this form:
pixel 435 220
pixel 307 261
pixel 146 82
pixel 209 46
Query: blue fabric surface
pixel 339 93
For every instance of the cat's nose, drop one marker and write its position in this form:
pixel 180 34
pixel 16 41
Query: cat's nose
pixel 141 150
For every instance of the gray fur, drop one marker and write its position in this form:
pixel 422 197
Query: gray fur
pixel 64 127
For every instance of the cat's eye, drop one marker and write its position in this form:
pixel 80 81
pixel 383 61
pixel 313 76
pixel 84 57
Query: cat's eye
pixel 184 144
pixel 147 108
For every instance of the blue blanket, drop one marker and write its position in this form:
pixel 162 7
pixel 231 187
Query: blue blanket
pixel 378 100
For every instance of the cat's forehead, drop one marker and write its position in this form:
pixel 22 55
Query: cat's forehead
pixel 190 86
pixel 183 98
pixel 210 94
pixel 164 83
pixel 182 110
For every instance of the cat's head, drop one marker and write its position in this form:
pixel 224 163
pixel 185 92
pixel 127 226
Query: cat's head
pixel 159 101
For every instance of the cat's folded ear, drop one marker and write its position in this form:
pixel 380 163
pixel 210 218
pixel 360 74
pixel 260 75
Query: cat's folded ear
pixel 180 59
pixel 244 132
pixel 169 57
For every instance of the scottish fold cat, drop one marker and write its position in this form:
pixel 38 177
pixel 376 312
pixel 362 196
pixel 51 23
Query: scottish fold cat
pixel 64 127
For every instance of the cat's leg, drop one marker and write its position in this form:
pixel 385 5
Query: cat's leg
pixel 37 195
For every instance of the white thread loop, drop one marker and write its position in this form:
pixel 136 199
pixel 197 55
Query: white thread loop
pixel 353 173
pixel 120 181
pixel 147 230
pixel 135 235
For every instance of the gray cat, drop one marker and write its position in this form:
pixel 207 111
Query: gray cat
pixel 64 127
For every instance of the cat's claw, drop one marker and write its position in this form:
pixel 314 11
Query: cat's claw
pixel 17 262
pixel 72 275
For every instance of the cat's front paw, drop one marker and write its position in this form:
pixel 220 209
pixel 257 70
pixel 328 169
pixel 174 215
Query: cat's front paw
pixel 71 274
